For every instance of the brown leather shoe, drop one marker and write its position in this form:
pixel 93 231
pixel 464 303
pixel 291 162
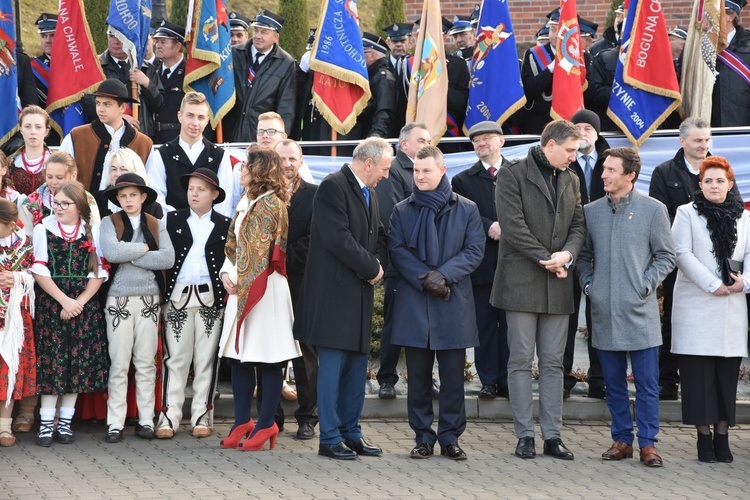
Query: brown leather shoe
pixel 201 431
pixel 618 451
pixel 650 458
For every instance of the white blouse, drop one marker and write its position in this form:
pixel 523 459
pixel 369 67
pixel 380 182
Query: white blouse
pixel 41 256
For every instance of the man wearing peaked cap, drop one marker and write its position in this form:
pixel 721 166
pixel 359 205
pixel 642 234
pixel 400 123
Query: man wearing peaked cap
pixel 93 145
pixel 169 44
pixel 40 65
pixel 611 35
pixel 378 117
pixel 731 99
pixel 462 33
pixel 401 43
pixel 677 39
pixel 264 79
pixel 588 32
pixel 542 36
pixel 238 25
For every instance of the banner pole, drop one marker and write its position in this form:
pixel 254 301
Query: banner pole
pixel 219 132
pixel 134 95
pixel 334 137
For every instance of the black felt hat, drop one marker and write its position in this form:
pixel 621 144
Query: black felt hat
pixel 207 175
pixel 114 88
pixel 130 180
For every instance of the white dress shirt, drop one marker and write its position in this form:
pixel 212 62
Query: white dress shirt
pixel 194 270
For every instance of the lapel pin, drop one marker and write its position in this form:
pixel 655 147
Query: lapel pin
pixel 630 216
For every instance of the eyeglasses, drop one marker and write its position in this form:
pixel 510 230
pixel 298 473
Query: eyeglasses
pixel 62 205
pixel 267 131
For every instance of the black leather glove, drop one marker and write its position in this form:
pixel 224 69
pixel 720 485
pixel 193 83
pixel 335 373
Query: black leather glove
pixel 435 284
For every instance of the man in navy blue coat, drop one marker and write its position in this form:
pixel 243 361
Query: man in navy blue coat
pixel 436 241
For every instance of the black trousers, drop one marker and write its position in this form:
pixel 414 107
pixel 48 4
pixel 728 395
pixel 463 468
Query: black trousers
pixel 595 375
pixel 491 357
pixel 306 380
pixel 389 353
pixel 668 362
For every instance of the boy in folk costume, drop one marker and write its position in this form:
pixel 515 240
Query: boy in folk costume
pixel 138 247
pixel 194 298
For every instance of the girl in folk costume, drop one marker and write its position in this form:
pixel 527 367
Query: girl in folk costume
pixel 194 304
pixel 71 343
pixel 138 247
pixel 6 191
pixel 61 167
pixel 26 172
pixel 17 357
pixel 257 332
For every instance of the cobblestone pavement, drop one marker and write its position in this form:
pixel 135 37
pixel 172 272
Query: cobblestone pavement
pixel 188 468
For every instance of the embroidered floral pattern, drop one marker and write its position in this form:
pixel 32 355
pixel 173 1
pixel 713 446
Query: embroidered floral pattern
pixel 176 319
pixel 150 309
pixel 119 311
pixel 209 315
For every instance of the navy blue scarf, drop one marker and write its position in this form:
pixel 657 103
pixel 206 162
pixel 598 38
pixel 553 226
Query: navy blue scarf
pixel 424 237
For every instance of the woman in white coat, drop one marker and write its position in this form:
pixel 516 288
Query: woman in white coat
pixel 709 316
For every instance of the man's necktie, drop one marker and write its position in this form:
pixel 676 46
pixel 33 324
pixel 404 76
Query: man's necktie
pixel 492 171
pixel 587 170
pixel 366 192
pixel 165 75
pixel 256 63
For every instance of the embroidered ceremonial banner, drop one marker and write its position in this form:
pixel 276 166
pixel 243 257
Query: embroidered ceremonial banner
pixel 8 71
pixel 707 36
pixel 569 77
pixel 645 89
pixel 428 88
pixel 130 21
pixel 208 66
pixel 495 88
pixel 74 64
pixel 341 86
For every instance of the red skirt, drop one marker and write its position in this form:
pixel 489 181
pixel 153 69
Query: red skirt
pixel 25 384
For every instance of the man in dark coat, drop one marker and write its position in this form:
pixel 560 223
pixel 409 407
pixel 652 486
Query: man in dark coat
pixel 435 243
pixel 601 77
pixel 298 243
pixel 589 167
pixel 395 188
pixel 536 75
pixel 731 97
pixel 334 312
pixel 378 118
pixel 169 44
pixel 477 183
pixel 539 209
pixel 264 79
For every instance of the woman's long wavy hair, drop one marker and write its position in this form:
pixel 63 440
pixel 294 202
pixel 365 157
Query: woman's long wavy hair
pixel 266 173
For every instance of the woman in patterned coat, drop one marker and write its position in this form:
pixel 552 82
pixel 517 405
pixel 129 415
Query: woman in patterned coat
pixel 257 334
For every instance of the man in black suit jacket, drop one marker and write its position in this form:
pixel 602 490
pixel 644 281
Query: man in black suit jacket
pixel 298 243
pixel 334 312
pixel 397 187
pixel 588 167
pixel 478 184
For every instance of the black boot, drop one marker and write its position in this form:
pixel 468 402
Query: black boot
pixel 721 448
pixel 706 448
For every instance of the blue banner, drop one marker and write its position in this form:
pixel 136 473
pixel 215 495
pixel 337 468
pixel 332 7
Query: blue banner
pixel 208 68
pixel 8 71
pixel 495 89
pixel 338 42
pixel 68 118
pixel 636 111
pixel 132 19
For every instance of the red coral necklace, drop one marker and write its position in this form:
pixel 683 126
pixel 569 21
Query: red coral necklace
pixel 72 235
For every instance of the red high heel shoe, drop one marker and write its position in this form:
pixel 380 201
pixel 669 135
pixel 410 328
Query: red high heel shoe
pixel 239 432
pixel 256 442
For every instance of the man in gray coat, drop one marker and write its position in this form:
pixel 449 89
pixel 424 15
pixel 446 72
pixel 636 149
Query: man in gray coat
pixel 628 252
pixel 538 203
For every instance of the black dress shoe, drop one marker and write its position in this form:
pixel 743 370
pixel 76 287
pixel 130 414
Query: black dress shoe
pixel 452 451
pixel 597 393
pixel 422 450
pixel 487 392
pixel 502 392
pixel 526 448
pixel 556 449
pixel 387 391
pixel 668 393
pixel 362 447
pixel 336 451
pixel 305 431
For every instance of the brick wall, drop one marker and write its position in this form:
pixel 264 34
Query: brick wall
pixel 529 16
